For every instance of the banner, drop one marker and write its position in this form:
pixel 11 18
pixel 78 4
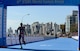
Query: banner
pixel 41 2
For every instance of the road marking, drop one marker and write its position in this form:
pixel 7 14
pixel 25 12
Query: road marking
pixel 45 45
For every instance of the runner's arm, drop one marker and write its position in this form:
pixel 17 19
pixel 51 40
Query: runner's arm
pixel 24 31
pixel 17 30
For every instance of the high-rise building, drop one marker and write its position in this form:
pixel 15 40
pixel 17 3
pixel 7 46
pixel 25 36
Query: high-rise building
pixel 42 29
pixel 68 23
pixel 49 27
pixel 71 20
pixel 35 27
pixel 27 29
pixel 56 29
pixel 75 13
pixel 10 31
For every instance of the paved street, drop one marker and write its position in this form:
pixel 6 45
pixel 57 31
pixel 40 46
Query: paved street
pixel 62 44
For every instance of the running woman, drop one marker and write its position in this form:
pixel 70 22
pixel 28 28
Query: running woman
pixel 21 34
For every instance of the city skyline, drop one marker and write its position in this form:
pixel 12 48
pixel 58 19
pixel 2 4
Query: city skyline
pixel 31 25
pixel 38 13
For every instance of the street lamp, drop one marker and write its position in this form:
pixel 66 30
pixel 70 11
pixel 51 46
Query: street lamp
pixel 24 16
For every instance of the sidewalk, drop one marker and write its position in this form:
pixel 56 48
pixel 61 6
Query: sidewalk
pixel 75 37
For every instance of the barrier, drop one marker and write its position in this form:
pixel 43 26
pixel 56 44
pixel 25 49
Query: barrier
pixel 15 40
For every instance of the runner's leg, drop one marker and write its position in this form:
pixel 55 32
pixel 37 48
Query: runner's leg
pixel 20 41
pixel 23 39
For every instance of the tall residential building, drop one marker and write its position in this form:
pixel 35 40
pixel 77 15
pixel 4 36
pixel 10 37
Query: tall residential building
pixel 42 29
pixel 10 31
pixel 27 29
pixel 56 29
pixel 71 20
pixel 35 27
pixel 68 23
pixel 75 13
pixel 49 27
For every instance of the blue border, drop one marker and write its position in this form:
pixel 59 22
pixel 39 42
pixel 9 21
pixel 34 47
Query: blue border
pixel 2 21
pixel 1 39
pixel 4 3
pixel 79 27
pixel 41 2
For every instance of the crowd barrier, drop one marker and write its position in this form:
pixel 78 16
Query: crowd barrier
pixel 30 39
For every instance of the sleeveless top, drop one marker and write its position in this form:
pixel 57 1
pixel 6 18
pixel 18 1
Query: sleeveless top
pixel 22 30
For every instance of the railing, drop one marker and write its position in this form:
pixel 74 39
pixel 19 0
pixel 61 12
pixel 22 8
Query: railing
pixel 13 40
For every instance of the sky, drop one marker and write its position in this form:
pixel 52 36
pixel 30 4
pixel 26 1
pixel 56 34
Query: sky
pixel 42 14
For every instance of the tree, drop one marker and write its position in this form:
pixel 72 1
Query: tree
pixel 74 28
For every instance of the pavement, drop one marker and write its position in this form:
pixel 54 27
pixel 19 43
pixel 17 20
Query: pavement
pixel 59 44
pixel 75 37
